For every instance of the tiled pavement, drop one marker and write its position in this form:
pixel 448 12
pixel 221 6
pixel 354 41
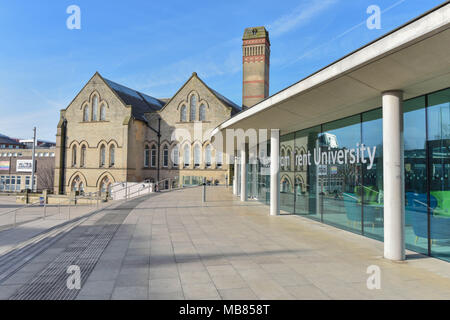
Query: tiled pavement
pixel 171 246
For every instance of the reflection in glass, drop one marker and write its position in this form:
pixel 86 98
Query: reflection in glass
pixel 416 201
pixel 439 161
pixel 372 170
pixel 305 174
pixel 340 185
pixel 287 196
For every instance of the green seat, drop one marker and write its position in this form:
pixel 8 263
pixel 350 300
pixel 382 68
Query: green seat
pixel 443 203
pixel 370 194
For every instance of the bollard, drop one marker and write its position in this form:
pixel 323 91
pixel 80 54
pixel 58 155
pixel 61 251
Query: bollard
pixel 45 210
pixel 59 208
pixel 204 191
pixel 15 219
pixel 69 209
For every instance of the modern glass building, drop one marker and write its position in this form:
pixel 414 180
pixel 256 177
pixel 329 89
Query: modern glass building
pixel 363 144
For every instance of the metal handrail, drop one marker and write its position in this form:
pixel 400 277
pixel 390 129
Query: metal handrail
pixel 68 201
pixel 16 209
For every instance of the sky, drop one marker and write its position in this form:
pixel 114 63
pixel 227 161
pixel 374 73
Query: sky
pixel 155 46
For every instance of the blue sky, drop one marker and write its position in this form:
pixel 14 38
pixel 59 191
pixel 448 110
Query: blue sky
pixel 154 46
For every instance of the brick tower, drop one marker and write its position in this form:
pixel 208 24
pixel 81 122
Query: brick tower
pixel 256 63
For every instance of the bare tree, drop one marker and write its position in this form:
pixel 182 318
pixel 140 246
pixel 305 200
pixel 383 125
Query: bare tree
pixel 46 174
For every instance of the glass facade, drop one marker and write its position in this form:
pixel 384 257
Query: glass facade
pixel 334 173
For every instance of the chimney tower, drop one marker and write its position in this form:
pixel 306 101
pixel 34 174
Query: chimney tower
pixel 256 63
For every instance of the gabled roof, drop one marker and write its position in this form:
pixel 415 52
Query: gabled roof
pixel 225 101
pixel 140 103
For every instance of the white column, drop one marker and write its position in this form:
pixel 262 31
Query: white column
pixel 235 182
pixel 243 174
pixel 393 176
pixel 274 172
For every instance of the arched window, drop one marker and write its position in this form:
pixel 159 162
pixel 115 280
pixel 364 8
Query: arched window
pixel 187 155
pixel 193 108
pixel 146 156
pixel 288 160
pixel 74 156
pixel 153 158
pixel 175 156
pixel 86 114
pixel 102 112
pixel 83 156
pixel 81 188
pixel 94 108
pixel 282 164
pixel 112 155
pixel 197 155
pixel 105 186
pixel 74 186
pixel 218 158
pixel 208 155
pixel 166 156
pixel 102 155
pixel 202 112
pixel 183 114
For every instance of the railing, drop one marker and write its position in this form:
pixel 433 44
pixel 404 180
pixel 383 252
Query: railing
pixel 132 189
pixel 67 204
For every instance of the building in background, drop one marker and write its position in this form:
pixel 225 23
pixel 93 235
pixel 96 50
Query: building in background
pixel 28 143
pixel 108 134
pixel 255 66
pixel 15 169
pixel 9 143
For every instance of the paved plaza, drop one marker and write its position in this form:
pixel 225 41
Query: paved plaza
pixel 172 246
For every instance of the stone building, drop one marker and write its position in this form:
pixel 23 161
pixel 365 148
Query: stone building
pixel 109 133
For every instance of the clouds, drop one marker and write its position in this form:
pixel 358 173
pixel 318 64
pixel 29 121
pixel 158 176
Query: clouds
pixel 301 15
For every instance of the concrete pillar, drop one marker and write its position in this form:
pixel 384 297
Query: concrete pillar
pixel 393 176
pixel 243 174
pixel 274 172
pixel 235 182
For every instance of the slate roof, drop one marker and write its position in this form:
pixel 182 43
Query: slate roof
pixel 227 102
pixel 7 140
pixel 141 103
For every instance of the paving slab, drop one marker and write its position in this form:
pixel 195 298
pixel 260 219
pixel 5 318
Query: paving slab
pixel 173 246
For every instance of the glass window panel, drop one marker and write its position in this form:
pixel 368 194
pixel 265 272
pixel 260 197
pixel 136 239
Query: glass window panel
pixel 202 112
pixel 166 156
pixel 305 181
pixel 112 155
pixel 439 160
pixel 103 112
pixel 187 155
pixel 175 156
pixel 208 155
pixel 94 108
pixel 197 155
pixel 416 202
pixel 102 155
pixel 287 174
pixel 339 173
pixel 372 170
pixel 153 157
pixel 193 112
pixel 183 114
